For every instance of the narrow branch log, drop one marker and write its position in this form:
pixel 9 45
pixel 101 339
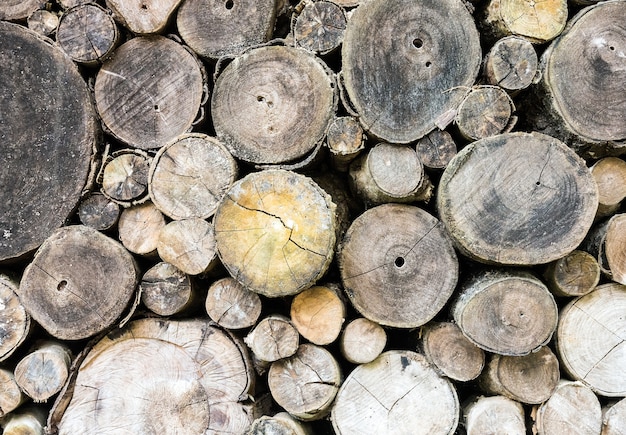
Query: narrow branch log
pixel 43 22
pixel 345 140
pixel 281 423
pixel 576 274
pixel 125 177
pixel 485 111
pixel 436 149
pixel 15 321
pixel 511 63
pixel 27 421
pixel 320 27
pixel 98 212
pixel 610 176
pixel 11 396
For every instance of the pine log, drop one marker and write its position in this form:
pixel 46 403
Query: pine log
pixel 79 283
pixel 505 312
pixel 450 352
pixel 273 338
pixel 399 274
pixel 125 177
pixel 590 339
pixel 362 341
pixel 43 371
pixel 511 63
pixel 51 126
pixel 273 104
pixel 87 33
pixel 610 176
pixel 531 378
pixel 15 321
pixel 98 212
pixel 16 10
pixel 518 199
pixel 28 421
pixel 493 415
pixel 231 305
pixel 614 418
pixel 43 22
pixel 399 393
pixel 216 28
pixel 140 227
pixel 160 376
pixel 275 232
pixel 11 397
pixel 345 140
pixel 436 149
pixel 401 76
pixel 485 111
pixel 572 409
pixel 143 16
pixel 166 290
pixel 149 92
pixel 320 27
pixel 280 424
pixel 189 245
pixel 306 384
pixel 576 274
pixel 318 313
pixel 190 176
pixel 390 173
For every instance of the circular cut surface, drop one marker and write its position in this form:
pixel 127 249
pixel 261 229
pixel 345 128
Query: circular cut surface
pixel 272 104
pixel 406 63
pixel 406 175
pixel 14 320
pixel 48 135
pixel 397 393
pixel 517 199
pixel 275 232
pixel 398 266
pixel 539 21
pixel 149 92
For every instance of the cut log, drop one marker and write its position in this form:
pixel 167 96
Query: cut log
pixel 274 338
pixel 320 27
pixel 399 274
pixel 98 212
pixel 511 63
pixel 125 177
pixel 165 290
pixel 615 248
pixel 436 149
pixel 15 322
pixel 189 245
pixel 50 128
pixel 149 92
pixel 280 424
pixel 160 376
pixel 11 397
pixel 508 313
pixel 591 340
pixel 28 421
pixel 275 232
pixel 306 384
pixel 576 274
pixel 485 111
pixel 494 415
pixel 43 372
pixel 402 75
pixel 572 409
pixel 518 199
pixel 66 4
pixel 318 313
pixel 216 28
pixel 43 22
pixel 531 379
pixel 273 104
pixel 87 33
pixel 143 16
pixel 231 305
pixel 390 173
pixel 453 354
pixel 16 10
pixel 610 176
pixel 345 140
pixel 362 341
pixel 140 228
pixel 614 418
pixel 190 176
pixel 400 393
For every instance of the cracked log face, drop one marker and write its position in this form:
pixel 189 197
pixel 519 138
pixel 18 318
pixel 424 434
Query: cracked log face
pixel 275 232
pixel 517 199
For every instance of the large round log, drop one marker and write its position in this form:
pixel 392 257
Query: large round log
pixel 402 74
pixel 48 137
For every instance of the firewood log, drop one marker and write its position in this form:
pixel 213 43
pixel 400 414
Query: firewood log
pixel 345 140
pixel 15 10
pixel 576 274
pixel 320 26
pixel 614 418
pixel 11 396
pixel 43 22
pixel 318 313
pixel 143 16
pixel 362 341
pixel 279 424
pixel 436 149
pixel 610 176
pixel 231 305
pixel 43 371
pixel 493 415
pixel 28 421
pixel 273 338
pixel 98 212
pixel 511 63
pixel 485 111
pixel 165 289
pixel 15 321
pixel 124 177
pixel 189 245
pixel 139 228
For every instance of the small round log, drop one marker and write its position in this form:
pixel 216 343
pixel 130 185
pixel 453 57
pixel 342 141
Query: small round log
pixel 189 245
pixel 614 418
pixel 149 92
pixel 318 313
pixel 140 227
pixel 511 63
pixel 11 397
pixel 273 338
pixel 505 312
pixel 165 290
pixel 98 212
pixel 87 33
pixel 43 22
pixel 362 341
pixel 143 16
pixel 43 372
pixel 436 149
pixel 518 199
pixel 125 177
pixel 15 321
pixel 28 421
pixel 231 305
pixel 400 274
pixel 485 111
pixel 398 392
pixel 345 140
pixel 306 384
pixel 610 176
pixel 280 424
pixel 576 274
pixel 16 10
pixel 190 176
pixel 275 232
pixel 615 248
pixel 273 104
pixel 494 415
pixel 320 27
pixel 79 283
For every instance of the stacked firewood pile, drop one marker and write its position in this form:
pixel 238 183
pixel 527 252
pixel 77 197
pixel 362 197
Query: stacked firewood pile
pixel 316 217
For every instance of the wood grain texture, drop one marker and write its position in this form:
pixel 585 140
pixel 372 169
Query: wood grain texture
pixel 143 16
pixel 436 149
pixel 188 244
pixel 231 305
pixel 511 63
pixel 320 27
pixel 139 228
pixel 318 313
pixel 576 274
pixel 165 289
pixel 14 10
pixel 15 321
pixel 485 111
pixel 494 415
pixel 362 341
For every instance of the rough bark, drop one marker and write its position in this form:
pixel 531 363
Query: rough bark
pixel 139 229
pixel 318 313
pixel 362 341
pixel 576 274
pixel 494 415
pixel 511 63
pixel 43 371
pixel 189 245
pixel 231 305
pixel 166 290
pixel 273 338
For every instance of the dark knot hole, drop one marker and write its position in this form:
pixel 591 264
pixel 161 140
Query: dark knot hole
pixel 399 261
pixel 229 4
pixel 62 285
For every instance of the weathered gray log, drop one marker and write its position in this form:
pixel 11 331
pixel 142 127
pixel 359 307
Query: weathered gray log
pixel 14 10
pixel 511 63
pixel 15 321
pixel 166 290
pixel 345 140
pixel 98 212
pixel 143 16
pixel 485 111
pixel 320 26
pixel 436 149
pixel 43 372
pixel 43 22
